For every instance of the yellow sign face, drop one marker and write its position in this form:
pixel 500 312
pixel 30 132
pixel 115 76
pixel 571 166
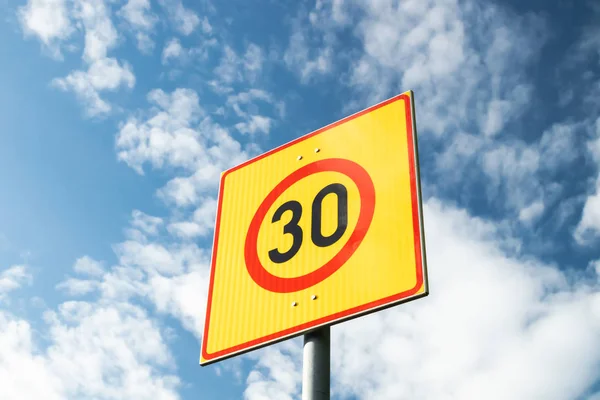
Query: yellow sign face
pixel 322 229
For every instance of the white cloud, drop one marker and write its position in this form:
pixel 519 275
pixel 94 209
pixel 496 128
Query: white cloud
pixel 172 49
pixel 589 43
pixel 183 19
pixel 167 137
pixel 104 74
pixel 257 123
pixel 97 275
pixel 124 350
pixel 181 296
pixel 236 101
pixel 463 148
pixel 224 153
pixel 23 371
pixel 173 277
pixel 206 26
pixel 53 21
pixel 515 174
pixel 557 145
pixel 95 351
pixel 205 214
pixel 586 56
pixel 509 171
pixel 107 74
pixel 88 266
pixel 147 224
pixel 314 47
pixel 202 223
pixel 594 145
pixel 248 96
pixel 100 33
pixel 77 287
pixel 243 104
pixel 253 60
pixel 219 87
pixel 13 278
pixel 425 46
pixel 186 229
pixel 277 373
pixel 496 113
pixel 125 353
pixel 233 68
pixel 178 134
pixel 512 166
pixel 299 57
pixel 531 212
pixel 588 228
pixel 144 42
pixel 48 20
pixel 175 53
pixel 186 191
pixel 151 257
pixel 122 283
pixel 138 13
pixel 227 71
pixel 326 12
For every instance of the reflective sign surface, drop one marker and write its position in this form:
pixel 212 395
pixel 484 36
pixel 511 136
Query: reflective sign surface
pixel 322 229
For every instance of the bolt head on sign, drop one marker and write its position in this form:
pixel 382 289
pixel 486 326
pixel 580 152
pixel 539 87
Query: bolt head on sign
pixel 325 228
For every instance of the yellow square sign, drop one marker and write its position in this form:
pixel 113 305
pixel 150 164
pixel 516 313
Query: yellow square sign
pixel 322 229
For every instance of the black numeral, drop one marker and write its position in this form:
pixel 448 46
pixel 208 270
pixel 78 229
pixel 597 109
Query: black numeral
pixel 316 234
pixel 342 211
pixel 292 228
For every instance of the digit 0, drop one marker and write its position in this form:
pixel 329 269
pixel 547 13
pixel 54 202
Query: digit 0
pixel 342 215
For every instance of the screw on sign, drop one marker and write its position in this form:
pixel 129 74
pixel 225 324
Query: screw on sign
pixel 329 223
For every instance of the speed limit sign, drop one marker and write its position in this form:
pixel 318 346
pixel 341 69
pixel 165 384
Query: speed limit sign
pixel 325 228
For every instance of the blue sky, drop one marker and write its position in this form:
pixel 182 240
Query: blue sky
pixel 118 116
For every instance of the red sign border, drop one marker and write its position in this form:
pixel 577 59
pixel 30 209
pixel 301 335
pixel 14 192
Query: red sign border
pixel 355 312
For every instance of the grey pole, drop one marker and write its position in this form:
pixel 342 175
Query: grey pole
pixel 315 365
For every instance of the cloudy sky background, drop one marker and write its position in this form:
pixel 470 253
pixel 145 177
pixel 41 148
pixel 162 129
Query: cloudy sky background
pixel 117 118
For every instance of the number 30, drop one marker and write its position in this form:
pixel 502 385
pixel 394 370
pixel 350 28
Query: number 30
pixel 316 235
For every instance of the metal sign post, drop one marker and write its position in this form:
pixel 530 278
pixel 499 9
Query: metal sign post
pixel 316 365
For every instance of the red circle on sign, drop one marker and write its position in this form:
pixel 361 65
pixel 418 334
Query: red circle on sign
pixel 366 189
